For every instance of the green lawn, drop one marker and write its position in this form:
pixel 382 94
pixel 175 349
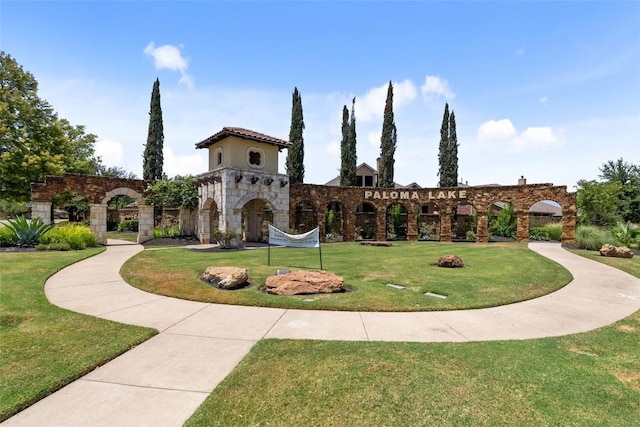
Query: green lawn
pixel 43 347
pixel 587 379
pixel 494 274
pixel 130 236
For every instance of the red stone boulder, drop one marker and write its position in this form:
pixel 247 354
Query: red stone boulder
pixel 450 261
pixel 614 251
pixel 304 282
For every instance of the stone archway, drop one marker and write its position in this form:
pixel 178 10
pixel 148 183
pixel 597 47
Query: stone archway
pixel 98 190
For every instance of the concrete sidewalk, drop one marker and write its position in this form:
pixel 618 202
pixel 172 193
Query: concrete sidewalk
pixel 163 380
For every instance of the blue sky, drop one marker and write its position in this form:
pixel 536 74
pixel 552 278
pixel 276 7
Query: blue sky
pixel 547 90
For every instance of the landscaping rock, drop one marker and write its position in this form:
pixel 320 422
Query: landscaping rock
pixel 376 243
pixel 614 251
pixel 225 277
pixel 304 282
pixel 450 261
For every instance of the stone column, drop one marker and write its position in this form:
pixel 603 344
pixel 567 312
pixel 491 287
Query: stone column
pixel 568 225
pixel 445 224
pixel 412 223
pixel 41 210
pixel 204 226
pixel 482 235
pixel 522 233
pixel 349 225
pixel 381 224
pixel 98 222
pixel 145 223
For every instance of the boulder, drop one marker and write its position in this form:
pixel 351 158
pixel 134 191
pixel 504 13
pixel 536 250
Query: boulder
pixel 225 277
pixel 618 252
pixel 450 261
pixel 304 282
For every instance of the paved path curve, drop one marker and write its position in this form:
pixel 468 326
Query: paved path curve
pixel 163 380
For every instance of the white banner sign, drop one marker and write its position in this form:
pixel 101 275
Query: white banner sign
pixel 310 239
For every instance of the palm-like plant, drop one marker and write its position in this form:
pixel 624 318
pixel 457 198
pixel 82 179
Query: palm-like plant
pixel 628 234
pixel 28 231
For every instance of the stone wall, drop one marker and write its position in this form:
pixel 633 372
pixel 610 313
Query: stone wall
pixel 445 199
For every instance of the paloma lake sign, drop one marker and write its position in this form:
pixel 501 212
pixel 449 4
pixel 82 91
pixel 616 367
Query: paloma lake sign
pixel 414 195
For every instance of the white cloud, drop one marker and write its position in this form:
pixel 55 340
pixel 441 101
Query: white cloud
pixel 110 151
pixel 496 129
pixel 333 148
pixel 373 137
pixel 371 105
pixel 177 164
pixel 435 87
pixel 170 57
pixel 538 138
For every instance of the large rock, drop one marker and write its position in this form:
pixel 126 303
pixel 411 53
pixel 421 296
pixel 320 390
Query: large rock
pixel 450 261
pixel 618 252
pixel 304 282
pixel 225 277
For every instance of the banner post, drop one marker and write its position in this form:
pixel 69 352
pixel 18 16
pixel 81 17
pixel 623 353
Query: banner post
pixel 320 252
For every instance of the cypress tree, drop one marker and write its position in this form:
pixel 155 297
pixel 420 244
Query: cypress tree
pixel 352 166
pixel 295 153
pixel 344 149
pixel 453 151
pixel 153 158
pixel 443 150
pixel 387 143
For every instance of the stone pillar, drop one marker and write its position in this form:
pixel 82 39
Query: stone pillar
pixel 445 224
pixel 41 210
pixel 349 226
pixel 412 223
pixel 482 227
pixel 98 222
pixel 204 226
pixel 381 224
pixel 522 233
pixel 145 223
pixel 568 225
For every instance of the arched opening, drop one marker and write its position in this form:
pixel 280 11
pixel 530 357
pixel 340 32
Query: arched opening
pixel 502 221
pixel 334 223
pixel 211 216
pixel 396 220
pixel 428 221
pixel 545 220
pixel 464 222
pixel 305 217
pixel 365 228
pixel 122 208
pixel 256 216
pixel 71 206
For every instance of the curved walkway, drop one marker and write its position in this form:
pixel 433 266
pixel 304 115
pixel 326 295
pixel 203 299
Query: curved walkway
pixel 163 380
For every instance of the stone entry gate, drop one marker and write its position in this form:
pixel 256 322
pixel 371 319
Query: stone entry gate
pixel 522 197
pixel 98 190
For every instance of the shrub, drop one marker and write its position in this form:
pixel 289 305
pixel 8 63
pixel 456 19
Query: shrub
pixel 76 237
pixel 7 237
pixel 28 231
pixel 627 234
pixel 53 247
pixel 171 232
pixel 128 225
pixel 538 233
pixel 223 238
pixel 555 230
pixel 591 238
pixel 471 235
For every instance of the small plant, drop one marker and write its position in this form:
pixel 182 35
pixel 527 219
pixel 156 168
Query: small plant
pixel 471 235
pixel 166 232
pixel 28 231
pixel 128 225
pixel 539 233
pixel 63 246
pixel 627 234
pixel 555 230
pixel 224 238
pixel 7 237
pixel 591 238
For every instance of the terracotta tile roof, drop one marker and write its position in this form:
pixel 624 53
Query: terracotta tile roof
pixel 242 133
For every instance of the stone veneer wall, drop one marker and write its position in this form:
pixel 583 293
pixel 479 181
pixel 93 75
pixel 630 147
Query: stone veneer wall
pixel 231 189
pixel 521 196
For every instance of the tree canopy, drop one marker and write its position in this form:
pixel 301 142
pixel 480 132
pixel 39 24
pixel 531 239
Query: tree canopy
pixel 176 192
pixel 34 142
pixel 388 142
pixel 153 158
pixel 448 150
pixel 295 153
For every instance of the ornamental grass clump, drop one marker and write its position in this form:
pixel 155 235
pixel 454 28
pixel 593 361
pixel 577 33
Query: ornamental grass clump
pixel 68 236
pixel 28 231
pixel 591 238
pixel 554 230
